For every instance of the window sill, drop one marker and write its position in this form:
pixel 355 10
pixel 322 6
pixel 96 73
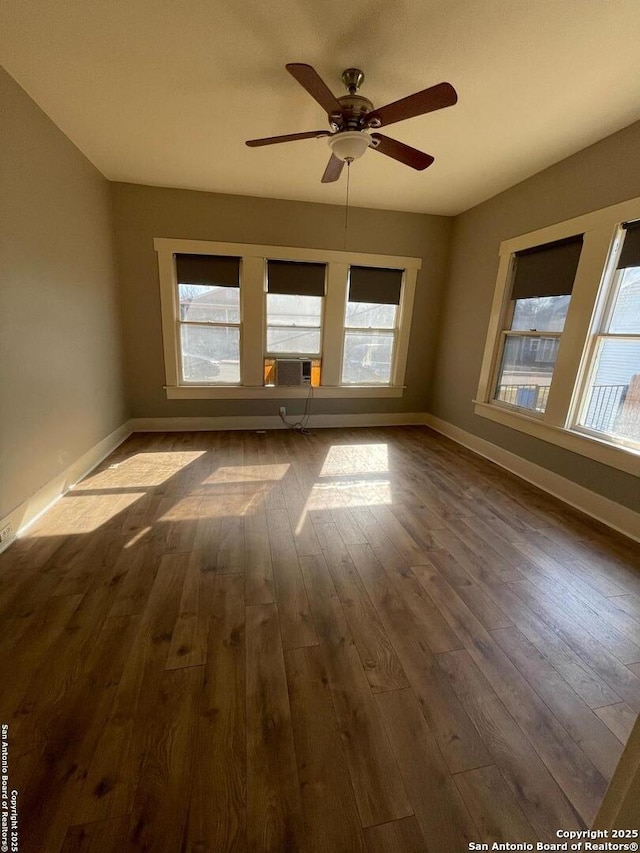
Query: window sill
pixel 281 392
pixel 623 458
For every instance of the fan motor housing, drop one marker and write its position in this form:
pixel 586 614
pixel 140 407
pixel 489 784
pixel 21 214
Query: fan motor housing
pixel 354 109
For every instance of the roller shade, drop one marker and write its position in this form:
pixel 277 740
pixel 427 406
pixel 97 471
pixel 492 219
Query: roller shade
pixel 295 278
pixel 630 254
pixel 215 270
pixel 547 270
pixel 372 284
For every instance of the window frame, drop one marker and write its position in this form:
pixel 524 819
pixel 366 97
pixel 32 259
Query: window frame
pixel 601 334
pixel 206 324
pixel 371 330
pixel 283 354
pixel 253 315
pixel 590 299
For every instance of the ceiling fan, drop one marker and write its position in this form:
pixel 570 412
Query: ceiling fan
pixel 352 116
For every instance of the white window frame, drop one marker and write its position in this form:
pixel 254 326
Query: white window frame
pixel 207 324
pixel 600 335
pixel 277 353
pixel 591 292
pixel 253 319
pixel 371 330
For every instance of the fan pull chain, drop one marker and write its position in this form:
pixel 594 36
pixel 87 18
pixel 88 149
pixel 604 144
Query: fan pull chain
pixel 346 209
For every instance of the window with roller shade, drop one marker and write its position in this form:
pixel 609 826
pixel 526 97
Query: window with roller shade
pixel 542 284
pixel 208 297
pixel 231 311
pixel 295 298
pixel 611 403
pixel 371 325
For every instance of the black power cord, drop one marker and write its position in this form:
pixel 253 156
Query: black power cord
pixel 301 426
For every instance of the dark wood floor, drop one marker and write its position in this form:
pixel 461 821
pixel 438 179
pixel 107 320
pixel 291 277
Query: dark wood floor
pixel 344 641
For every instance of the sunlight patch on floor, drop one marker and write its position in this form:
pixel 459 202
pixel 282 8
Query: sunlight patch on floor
pixel 84 513
pixel 351 493
pixel 247 473
pixel 141 469
pixel 355 459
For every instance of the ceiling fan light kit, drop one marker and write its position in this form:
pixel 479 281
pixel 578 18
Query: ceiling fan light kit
pixel 352 117
pixel 349 145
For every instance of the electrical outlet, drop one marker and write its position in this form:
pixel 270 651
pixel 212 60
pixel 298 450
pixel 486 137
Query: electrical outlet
pixel 6 532
pixel 283 411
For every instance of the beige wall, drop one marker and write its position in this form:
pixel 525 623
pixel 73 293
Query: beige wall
pixel 604 174
pixel 60 354
pixel 142 213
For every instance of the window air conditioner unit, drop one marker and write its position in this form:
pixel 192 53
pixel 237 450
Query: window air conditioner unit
pixel 293 371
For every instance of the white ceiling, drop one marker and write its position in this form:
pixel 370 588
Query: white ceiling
pixel 165 92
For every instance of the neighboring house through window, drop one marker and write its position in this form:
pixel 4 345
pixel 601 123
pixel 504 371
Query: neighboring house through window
pixel 209 318
pixel 295 301
pixel 237 316
pixel 611 403
pixel 371 325
pixel 542 284
pixel 562 356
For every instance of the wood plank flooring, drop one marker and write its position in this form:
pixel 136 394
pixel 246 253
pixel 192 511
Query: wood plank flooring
pixel 340 642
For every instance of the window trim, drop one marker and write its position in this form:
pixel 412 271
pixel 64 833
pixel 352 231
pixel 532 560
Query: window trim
pixel 505 334
pixel 253 318
pixel 280 354
pixel 208 324
pixel 602 239
pixel 364 330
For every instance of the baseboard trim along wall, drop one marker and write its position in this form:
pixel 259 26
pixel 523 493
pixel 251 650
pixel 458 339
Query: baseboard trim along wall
pixel 39 502
pixel 620 518
pixel 275 422
pixel 614 515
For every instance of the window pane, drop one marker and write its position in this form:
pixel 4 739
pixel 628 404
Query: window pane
pixel 365 315
pixel 540 314
pixel 204 303
pixel 613 400
pixel 210 354
pixel 286 310
pixel 293 341
pixel 626 313
pixel 526 371
pixel 367 358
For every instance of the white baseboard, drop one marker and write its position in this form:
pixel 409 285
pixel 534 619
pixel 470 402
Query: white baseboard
pixel 251 422
pixel 614 515
pixel 31 509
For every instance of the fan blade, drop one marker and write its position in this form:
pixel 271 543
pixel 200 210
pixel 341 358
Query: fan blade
pixel 289 137
pixel 310 80
pixel 434 98
pixel 399 151
pixel 333 170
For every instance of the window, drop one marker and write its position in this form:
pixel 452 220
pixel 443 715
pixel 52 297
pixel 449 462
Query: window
pixel 209 318
pixel 542 283
pixel 371 325
pixel 295 296
pixel 230 311
pixel 562 353
pixel 611 404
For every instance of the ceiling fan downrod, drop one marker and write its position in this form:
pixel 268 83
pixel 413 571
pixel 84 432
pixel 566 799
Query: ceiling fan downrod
pixel 352 78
